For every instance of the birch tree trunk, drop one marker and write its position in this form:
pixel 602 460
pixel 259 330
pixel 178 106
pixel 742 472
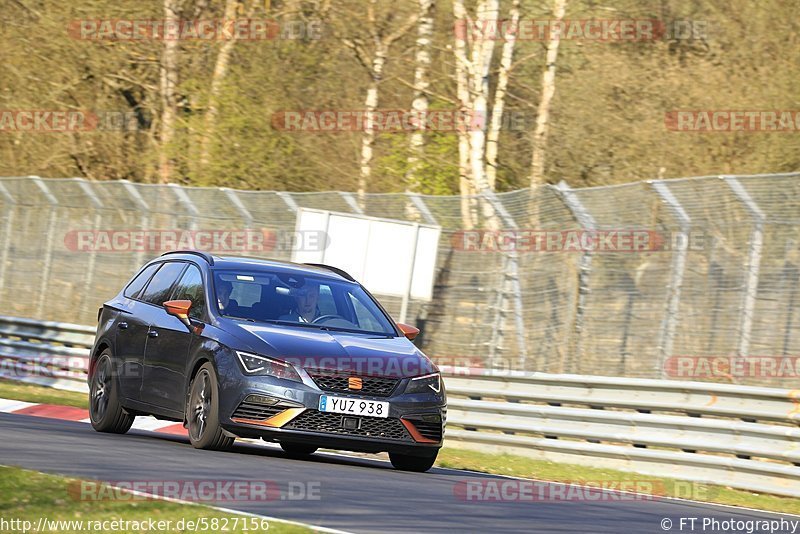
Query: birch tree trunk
pixel 370 106
pixel 422 63
pixel 168 82
pixel 465 105
pixel 217 79
pixel 482 52
pixel 548 90
pixel 499 97
pixel 375 66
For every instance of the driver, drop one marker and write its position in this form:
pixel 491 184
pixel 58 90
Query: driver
pixel 305 304
pixel 227 305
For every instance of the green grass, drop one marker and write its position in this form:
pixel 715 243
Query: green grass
pixel 29 495
pixel 521 466
pixel 40 394
pixel 504 464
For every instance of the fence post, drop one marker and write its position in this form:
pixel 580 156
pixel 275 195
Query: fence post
pixel 351 201
pixel 8 199
pixel 416 199
pixel 239 205
pixel 289 201
pixel 186 202
pixel 587 222
pixel 48 253
pixel 140 203
pixel 407 290
pixel 753 265
pixel 668 324
pixel 97 205
pixel 510 285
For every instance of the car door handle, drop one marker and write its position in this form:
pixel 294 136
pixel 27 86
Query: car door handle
pixel 152 333
pixel 122 326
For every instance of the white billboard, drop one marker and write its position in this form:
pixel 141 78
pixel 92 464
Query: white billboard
pixel 388 256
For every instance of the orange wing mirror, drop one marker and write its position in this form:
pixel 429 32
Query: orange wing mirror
pixel 180 309
pixel 409 331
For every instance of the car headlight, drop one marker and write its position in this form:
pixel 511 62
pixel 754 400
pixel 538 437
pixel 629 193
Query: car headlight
pixel 423 384
pixel 263 366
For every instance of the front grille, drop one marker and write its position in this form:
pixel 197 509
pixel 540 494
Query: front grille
pixel 331 423
pixel 376 386
pixel 430 426
pixel 256 412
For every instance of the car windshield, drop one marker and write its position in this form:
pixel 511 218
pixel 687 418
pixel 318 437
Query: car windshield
pixel 298 300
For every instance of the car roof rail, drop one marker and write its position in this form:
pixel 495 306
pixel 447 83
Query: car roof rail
pixel 205 255
pixel 340 272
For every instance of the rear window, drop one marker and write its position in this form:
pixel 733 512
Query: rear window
pixel 136 285
pixel 158 290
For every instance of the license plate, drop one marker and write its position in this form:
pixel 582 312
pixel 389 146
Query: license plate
pixel 367 408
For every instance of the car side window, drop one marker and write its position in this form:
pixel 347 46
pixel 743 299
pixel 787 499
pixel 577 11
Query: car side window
pixel 136 285
pixel 191 288
pixel 158 290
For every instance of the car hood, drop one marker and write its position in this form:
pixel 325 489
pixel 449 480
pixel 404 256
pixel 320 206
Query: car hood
pixel 346 352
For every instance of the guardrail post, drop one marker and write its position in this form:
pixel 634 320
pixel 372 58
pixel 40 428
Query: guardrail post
pixel 8 199
pixel 587 222
pixel 48 252
pixel 670 321
pixel 753 264
pixel 97 205
pixel 510 285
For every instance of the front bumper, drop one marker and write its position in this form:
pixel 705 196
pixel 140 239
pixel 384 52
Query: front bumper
pixel 415 423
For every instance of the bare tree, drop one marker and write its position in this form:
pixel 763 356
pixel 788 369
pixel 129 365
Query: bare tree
pixel 373 59
pixel 474 49
pixel 422 62
pixel 507 55
pixel 217 79
pixel 169 81
pixel 548 91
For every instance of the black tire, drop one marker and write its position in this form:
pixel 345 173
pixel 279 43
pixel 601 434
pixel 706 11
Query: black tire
pixel 298 450
pixel 202 412
pixel 105 410
pixel 417 464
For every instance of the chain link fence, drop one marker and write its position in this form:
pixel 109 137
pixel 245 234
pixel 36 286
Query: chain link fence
pixel 522 282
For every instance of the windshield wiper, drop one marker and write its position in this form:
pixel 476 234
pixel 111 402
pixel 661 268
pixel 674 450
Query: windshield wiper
pixel 322 327
pixel 293 323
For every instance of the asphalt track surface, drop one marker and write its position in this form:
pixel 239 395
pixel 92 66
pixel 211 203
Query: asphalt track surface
pixel 355 494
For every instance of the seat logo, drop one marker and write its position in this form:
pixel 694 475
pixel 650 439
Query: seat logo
pixel 354 382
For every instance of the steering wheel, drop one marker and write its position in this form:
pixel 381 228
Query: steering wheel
pixel 328 317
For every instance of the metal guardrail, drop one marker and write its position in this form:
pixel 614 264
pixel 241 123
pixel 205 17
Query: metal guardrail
pixel 743 437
